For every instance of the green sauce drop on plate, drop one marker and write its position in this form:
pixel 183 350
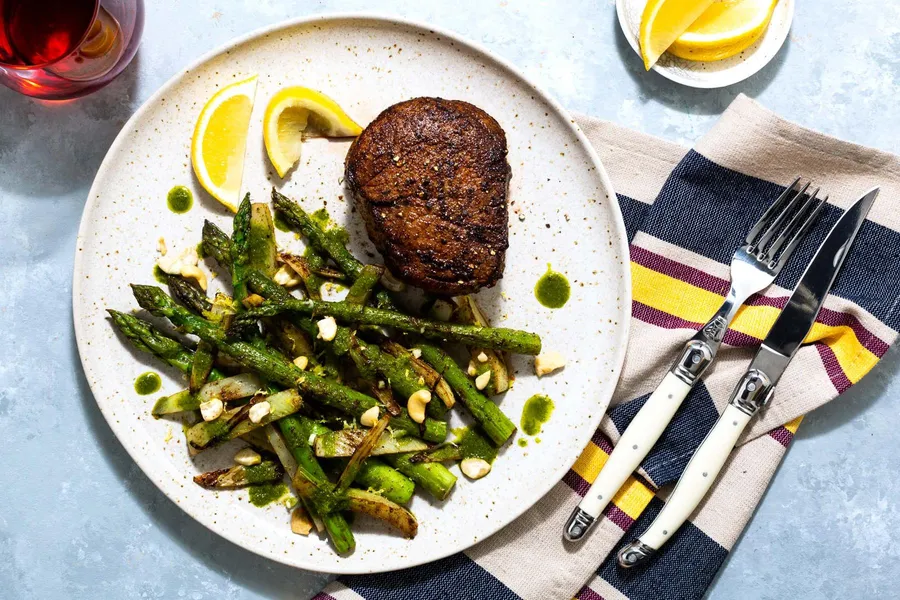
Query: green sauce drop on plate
pixel 280 223
pixel 536 412
pixel 160 275
pixel 147 383
pixel 180 199
pixel 552 289
pixel 266 493
pixel 523 442
pixel 473 444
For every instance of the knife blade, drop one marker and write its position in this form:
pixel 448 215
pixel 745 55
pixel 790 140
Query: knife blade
pixel 757 385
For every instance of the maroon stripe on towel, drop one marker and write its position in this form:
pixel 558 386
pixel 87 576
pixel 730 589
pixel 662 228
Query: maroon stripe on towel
pixel 587 593
pixel 618 516
pixel 782 435
pixel 719 286
pixel 576 482
pixel 833 368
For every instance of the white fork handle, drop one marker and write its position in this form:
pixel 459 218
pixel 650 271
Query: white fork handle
pixel 634 445
pixel 697 478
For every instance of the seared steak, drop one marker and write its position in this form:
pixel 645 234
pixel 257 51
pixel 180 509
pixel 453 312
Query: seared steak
pixel 430 177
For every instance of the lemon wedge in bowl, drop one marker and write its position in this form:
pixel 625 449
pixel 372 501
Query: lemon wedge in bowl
pixel 297 113
pixel 220 139
pixel 725 29
pixel 663 21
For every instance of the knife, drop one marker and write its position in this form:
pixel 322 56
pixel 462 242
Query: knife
pixel 757 385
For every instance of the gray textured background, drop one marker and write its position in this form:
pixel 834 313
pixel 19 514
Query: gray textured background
pixel 79 520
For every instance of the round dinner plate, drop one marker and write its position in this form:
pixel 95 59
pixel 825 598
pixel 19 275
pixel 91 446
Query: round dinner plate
pixel 562 211
pixel 715 74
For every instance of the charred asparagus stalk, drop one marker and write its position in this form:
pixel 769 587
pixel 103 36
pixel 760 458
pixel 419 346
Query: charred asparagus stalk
pixel 188 294
pixel 496 424
pixel 496 338
pixel 296 432
pixel 240 251
pixel 240 476
pixel 434 477
pixel 273 366
pixel 358 501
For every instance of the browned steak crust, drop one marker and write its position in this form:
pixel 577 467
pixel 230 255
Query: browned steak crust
pixel 430 177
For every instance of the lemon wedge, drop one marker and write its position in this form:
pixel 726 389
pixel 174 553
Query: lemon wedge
pixel 296 113
pixel 219 141
pixel 725 29
pixel 663 21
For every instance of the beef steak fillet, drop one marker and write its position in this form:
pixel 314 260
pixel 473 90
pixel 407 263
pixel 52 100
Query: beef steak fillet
pixel 430 177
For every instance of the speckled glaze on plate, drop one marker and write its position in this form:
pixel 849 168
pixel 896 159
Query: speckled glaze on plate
pixel 715 74
pixel 569 217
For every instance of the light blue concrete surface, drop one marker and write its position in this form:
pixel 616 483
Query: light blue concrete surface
pixel 79 520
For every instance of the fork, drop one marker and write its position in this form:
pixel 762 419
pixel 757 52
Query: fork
pixel 754 266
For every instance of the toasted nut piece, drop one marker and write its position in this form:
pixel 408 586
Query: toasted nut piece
pixel 301 524
pixel 416 353
pixel 416 405
pixel 253 300
pixel 472 371
pixel 301 362
pixel 211 409
pixel 161 246
pixel 369 418
pixel 247 457
pixel 259 411
pixel 482 380
pixel 391 282
pixel 482 357
pixel 547 362
pixel 475 468
pixel 327 328
pixel 194 272
pixel 287 277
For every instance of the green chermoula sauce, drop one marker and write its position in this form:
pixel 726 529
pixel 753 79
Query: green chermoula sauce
pixel 473 444
pixel 147 383
pixel 266 493
pixel 523 442
pixel 552 289
pixel 159 275
pixel 180 199
pixel 536 412
pixel 280 223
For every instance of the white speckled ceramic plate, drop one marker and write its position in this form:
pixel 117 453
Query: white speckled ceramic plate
pixel 570 219
pixel 716 74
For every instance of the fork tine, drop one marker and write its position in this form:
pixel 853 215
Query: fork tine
pixel 798 237
pixel 775 227
pixel 770 213
pixel 790 229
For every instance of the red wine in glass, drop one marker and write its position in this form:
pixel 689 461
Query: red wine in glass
pixel 59 49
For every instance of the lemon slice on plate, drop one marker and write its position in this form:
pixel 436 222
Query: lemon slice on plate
pixel 663 21
pixel 725 29
pixel 219 141
pixel 297 113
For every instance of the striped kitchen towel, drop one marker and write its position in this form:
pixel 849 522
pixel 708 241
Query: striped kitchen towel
pixel 686 212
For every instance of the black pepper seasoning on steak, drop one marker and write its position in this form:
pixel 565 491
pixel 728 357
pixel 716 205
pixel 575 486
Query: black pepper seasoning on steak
pixel 430 177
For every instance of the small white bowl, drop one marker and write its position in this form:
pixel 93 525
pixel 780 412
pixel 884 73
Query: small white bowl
pixel 718 73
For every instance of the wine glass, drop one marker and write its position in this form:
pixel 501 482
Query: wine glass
pixel 61 49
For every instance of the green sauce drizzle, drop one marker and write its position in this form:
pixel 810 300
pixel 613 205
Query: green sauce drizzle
pixel 267 493
pixel 180 199
pixel 552 289
pixel 147 383
pixel 280 223
pixel 523 442
pixel 536 412
pixel 160 275
pixel 473 444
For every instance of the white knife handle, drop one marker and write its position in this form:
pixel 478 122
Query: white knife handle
pixel 639 437
pixel 752 392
